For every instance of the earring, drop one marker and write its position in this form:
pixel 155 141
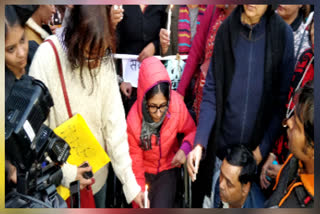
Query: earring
pixel 284 123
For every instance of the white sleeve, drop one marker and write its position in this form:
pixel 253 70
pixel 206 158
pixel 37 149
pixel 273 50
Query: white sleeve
pixel 69 173
pixel 115 135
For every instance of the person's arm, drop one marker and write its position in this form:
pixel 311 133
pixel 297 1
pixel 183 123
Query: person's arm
pixel 136 154
pixel 186 126
pixel 286 69
pixel 197 51
pixel 207 110
pixel 41 69
pixel 115 135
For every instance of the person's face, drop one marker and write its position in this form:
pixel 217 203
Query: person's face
pixel 94 58
pixel 255 11
pixel 16 50
pixel 287 11
pixel 297 140
pixel 231 190
pixel 312 36
pixel 157 106
pixel 46 12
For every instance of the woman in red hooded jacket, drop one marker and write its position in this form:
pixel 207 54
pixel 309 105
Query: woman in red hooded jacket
pixel 154 121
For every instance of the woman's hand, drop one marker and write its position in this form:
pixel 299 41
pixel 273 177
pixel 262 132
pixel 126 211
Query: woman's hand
pixel 148 51
pixel 84 182
pixel 270 170
pixel 126 89
pixel 164 40
pixel 263 180
pixel 178 159
pixel 116 15
pixel 139 199
pixel 194 158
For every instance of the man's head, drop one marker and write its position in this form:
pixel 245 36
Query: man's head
pixel 237 172
pixel 301 127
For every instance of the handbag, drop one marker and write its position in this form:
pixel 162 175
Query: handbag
pixel 86 194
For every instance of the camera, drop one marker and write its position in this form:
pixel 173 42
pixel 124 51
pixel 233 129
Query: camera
pixel 32 147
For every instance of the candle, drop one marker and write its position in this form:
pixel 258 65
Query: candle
pixel 169 18
pixel 146 197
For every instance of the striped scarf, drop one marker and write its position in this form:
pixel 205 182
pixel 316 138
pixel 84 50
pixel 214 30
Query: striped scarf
pixel 184 29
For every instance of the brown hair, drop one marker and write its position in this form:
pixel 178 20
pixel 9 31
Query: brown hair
pixel 89 26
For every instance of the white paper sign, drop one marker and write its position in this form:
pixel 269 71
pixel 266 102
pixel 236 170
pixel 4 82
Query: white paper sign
pixel 130 68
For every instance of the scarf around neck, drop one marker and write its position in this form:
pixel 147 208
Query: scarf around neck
pixel 149 127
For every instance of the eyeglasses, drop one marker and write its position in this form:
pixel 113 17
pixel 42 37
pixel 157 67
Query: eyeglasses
pixel 105 56
pixel 153 108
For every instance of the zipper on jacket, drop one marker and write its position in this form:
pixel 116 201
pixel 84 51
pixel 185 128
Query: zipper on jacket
pixel 250 33
pixel 160 154
pixel 160 147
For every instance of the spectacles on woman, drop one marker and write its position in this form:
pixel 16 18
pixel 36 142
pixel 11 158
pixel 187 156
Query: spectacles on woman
pixel 154 108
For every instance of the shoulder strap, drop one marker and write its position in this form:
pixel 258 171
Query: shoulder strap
pixel 63 85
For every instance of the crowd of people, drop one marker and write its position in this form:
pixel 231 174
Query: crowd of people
pixel 241 120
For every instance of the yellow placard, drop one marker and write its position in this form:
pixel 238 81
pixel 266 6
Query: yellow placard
pixel 84 147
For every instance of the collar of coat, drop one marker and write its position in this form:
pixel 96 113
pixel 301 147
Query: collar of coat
pixel 38 29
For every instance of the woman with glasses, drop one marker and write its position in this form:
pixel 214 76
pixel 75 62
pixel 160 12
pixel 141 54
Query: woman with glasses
pixel 91 84
pixel 155 122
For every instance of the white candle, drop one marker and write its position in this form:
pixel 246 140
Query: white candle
pixel 169 18
pixel 146 197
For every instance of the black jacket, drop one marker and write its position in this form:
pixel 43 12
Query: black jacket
pixel 138 29
pixel 291 189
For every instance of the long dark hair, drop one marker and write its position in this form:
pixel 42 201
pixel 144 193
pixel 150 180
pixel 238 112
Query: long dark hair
pixel 88 26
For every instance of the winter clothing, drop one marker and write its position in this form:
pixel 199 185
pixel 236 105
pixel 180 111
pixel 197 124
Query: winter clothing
pixel 281 149
pixel 102 110
pixel 177 120
pixel 35 32
pixel 200 54
pixel 138 29
pixel 180 34
pixel 300 35
pixel 184 27
pixel 292 189
pixel 221 96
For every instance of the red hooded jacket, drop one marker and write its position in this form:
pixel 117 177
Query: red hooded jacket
pixel 177 120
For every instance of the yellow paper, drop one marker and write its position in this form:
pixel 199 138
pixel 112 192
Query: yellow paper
pixel 84 147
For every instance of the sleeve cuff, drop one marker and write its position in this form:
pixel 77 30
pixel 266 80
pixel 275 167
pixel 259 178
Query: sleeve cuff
pixel 131 189
pixel 69 174
pixel 186 147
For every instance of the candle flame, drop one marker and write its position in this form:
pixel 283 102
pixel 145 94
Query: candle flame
pixel 146 187
pixel 171 6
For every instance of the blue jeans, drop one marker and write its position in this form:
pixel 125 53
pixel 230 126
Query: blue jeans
pixel 100 197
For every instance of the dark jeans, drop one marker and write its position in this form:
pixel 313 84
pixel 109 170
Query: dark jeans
pixel 162 188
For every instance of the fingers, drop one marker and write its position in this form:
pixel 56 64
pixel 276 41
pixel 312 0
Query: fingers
pixel 164 37
pixel 264 182
pixel 140 201
pixel 190 166
pixel 129 91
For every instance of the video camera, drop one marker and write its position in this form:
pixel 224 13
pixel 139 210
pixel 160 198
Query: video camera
pixel 32 147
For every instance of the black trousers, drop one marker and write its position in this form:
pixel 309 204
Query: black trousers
pixel 162 188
